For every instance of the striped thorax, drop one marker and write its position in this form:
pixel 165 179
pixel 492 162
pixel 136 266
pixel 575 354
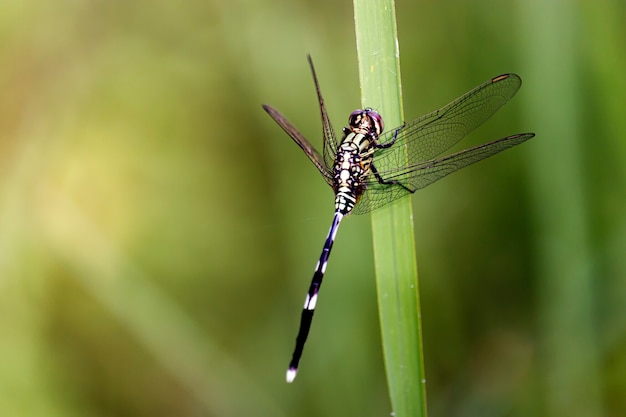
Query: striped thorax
pixel 354 157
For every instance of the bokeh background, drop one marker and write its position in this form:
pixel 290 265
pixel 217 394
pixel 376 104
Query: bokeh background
pixel 158 231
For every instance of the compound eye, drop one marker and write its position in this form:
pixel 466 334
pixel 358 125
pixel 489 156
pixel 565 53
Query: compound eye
pixel 356 118
pixel 377 121
pixel 366 118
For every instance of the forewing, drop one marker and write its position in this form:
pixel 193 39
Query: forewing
pixel 302 142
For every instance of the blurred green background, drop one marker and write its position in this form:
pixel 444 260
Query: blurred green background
pixel 158 231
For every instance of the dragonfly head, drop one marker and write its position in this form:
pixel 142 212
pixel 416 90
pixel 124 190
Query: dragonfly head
pixel 366 121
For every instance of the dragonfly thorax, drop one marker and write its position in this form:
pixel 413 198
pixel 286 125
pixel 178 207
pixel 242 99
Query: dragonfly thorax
pixel 352 166
pixel 354 158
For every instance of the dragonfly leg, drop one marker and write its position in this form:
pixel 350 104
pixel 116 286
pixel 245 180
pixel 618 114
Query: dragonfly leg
pixel 395 136
pixel 383 181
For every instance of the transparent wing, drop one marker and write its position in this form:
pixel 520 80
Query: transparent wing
pixel 403 180
pixel 428 136
pixel 302 142
pixel 330 140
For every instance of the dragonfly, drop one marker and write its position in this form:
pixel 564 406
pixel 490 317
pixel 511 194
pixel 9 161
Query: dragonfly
pixel 370 167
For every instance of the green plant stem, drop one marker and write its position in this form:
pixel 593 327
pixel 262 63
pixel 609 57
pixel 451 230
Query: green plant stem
pixel 392 227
